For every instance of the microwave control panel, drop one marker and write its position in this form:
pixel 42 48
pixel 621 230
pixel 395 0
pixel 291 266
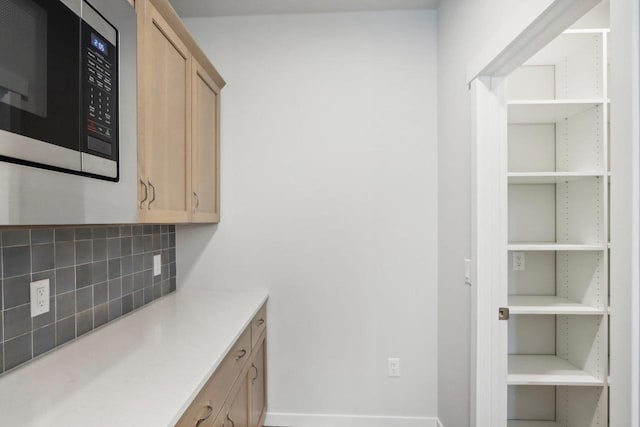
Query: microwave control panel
pixel 100 90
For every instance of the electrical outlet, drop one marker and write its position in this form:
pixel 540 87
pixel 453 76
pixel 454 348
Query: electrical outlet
pixel 393 368
pixel 157 265
pixel 39 297
pixel 518 261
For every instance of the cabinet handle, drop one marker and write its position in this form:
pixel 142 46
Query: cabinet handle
pixel 253 380
pixel 230 420
pixel 197 199
pixel 260 322
pixel 146 193
pixel 153 187
pixel 242 353
pixel 206 417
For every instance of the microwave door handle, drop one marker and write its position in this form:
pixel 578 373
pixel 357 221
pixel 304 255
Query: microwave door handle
pixel 153 188
pixel 146 193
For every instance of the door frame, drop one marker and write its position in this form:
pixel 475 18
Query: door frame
pixel 537 23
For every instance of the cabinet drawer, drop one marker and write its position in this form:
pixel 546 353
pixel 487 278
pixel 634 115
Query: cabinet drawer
pixel 212 396
pixel 258 325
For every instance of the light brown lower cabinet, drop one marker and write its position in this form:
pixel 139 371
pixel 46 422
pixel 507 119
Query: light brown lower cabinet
pixel 236 393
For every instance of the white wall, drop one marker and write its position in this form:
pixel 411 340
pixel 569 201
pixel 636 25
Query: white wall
pixel 464 28
pixel 329 195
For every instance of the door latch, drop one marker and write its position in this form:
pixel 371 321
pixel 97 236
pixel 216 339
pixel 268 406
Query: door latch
pixel 503 313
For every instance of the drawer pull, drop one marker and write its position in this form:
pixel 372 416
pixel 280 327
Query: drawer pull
pixel 242 353
pixel 231 421
pixel 260 322
pixel 206 417
pixel 253 380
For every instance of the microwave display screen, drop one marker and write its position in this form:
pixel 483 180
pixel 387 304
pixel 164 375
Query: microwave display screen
pixel 99 44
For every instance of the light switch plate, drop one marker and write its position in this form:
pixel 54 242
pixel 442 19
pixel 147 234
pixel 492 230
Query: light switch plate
pixel 39 297
pixel 393 367
pixel 157 265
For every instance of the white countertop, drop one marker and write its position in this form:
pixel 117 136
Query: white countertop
pixel 141 370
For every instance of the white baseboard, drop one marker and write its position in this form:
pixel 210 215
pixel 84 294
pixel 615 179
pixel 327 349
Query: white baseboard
pixel 321 420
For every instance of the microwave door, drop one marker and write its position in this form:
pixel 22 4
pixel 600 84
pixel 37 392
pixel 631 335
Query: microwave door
pixel 39 83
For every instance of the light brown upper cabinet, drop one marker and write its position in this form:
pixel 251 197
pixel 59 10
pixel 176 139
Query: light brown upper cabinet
pixel 205 98
pixel 178 121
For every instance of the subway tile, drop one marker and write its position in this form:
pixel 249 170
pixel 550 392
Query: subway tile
pixel 172 284
pixel 157 290
pixel 1 330
pixel 165 241
pixel 1 358
pixel 113 248
pixel 156 228
pixel 138 263
pixel 99 233
pixel 115 309
pixel 65 305
pixel 17 321
pixel 84 251
pixel 64 234
pixel 84 298
pixel 42 257
pixel 125 246
pixel 138 281
pixel 147 261
pixel 164 228
pixel 50 275
pixel 83 233
pixel 127 303
pixel 114 268
pixel 172 269
pixel 65 280
pixel 127 284
pixel 172 255
pixel 65 330
pixel 157 242
pixel 100 250
pixel 137 299
pixel 125 230
pixel 84 322
pixel 100 315
pixel 148 295
pixel 172 240
pixel 115 289
pixel 137 243
pixel 15 237
pixel 148 243
pixel 41 235
pixel 17 351
pixel 100 272
pixel 164 271
pixel 16 291
pixel 113 231
pixel 65 254
pixel 158 278
pixel 84 275
pixel 147 229
pixel 100 293
pixel 136 230
pixel 16 261
pixel 172 229
pixel 46 318
pixel 126 264
pixel 148 278
pixel 44 339
pixel 166 287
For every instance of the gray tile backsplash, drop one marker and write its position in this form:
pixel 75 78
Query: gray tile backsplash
pixel 96 274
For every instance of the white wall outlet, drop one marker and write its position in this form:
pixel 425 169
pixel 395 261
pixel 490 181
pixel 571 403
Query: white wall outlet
pixel 157 265
pixel 467 271
pixel 393 368
pixel 39 297
pixel 518 261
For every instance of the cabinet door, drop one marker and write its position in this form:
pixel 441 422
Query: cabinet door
pixel 166 76
pixel 258 384
pixel 205 146
pixel 238 413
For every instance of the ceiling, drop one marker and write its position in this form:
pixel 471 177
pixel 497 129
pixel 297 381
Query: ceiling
pixel 193 8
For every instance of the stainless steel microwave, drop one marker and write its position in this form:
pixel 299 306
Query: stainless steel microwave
pixel 60 80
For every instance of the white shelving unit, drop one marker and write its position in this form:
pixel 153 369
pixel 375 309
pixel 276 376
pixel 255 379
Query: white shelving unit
pixel 558 235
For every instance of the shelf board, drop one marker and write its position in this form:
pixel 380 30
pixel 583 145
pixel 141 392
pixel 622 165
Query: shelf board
pixel 519 304
pixel 553 246
pixel 564 45
pixel 524 423
pixel 548 111
pixel 549 177
pixel 547 370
